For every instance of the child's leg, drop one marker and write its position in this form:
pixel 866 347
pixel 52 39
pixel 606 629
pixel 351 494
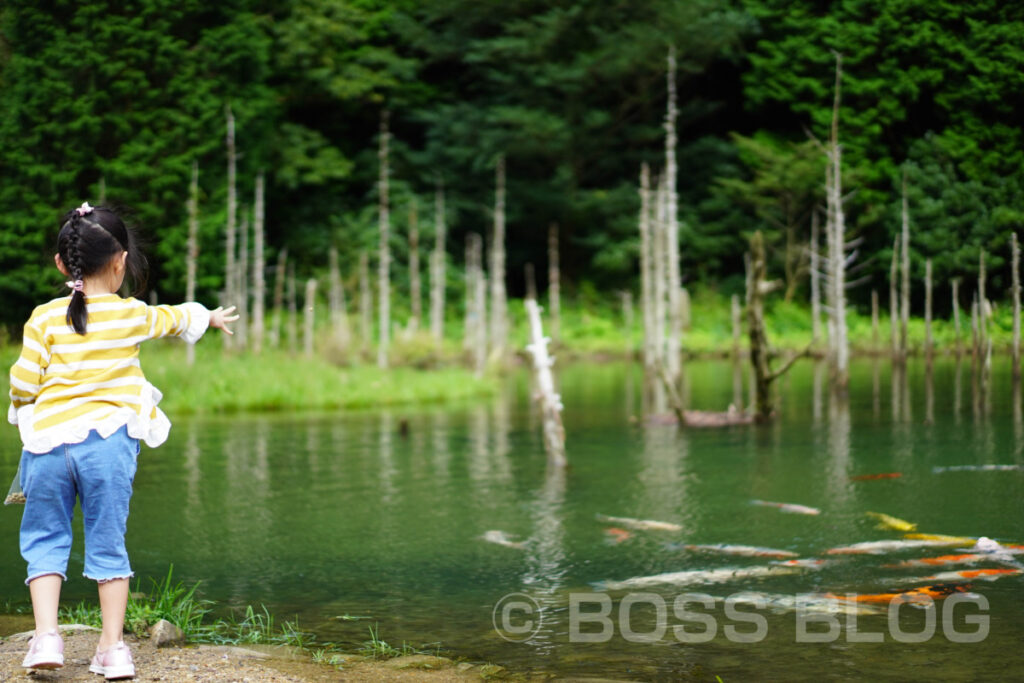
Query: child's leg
pixel 113 603
pixel 105 470
pixel 45 591
pixel 46 530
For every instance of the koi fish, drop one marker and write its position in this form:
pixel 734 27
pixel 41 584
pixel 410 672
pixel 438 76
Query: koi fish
pixel 617 535
pixel 640 524
pixel 873 477
pixel 977 468
pixel 501 538
pixel 971 574
pixel 686 578
pixel 881 547
pixel 789 507
pixel 806 563
pixel 987 545
pixel 813 603
pixel 950 540
pixel 730 549
pixel 912 595
pixel 887 522
pixel 963 558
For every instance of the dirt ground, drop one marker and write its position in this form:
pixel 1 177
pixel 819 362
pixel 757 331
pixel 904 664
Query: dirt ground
pixel 208 663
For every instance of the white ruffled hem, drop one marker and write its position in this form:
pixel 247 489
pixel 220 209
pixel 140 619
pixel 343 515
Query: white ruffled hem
pixel 151 430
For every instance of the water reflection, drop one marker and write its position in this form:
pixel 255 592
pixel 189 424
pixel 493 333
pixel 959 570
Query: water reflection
pixel 839 427
pixel 546 562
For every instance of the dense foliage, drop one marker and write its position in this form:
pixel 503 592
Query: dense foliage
pixel 98 97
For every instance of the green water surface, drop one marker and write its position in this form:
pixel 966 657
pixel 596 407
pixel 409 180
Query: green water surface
pixel 380 514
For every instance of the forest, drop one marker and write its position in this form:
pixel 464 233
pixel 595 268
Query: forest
pixel 115 103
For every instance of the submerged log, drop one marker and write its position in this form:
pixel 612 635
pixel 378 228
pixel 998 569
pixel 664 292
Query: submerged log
pixel 550 401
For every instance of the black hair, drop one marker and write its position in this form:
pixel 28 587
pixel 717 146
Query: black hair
pixel 87 244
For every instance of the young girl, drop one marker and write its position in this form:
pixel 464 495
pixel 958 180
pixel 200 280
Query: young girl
pixel 82 404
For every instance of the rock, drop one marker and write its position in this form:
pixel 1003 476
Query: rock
pixel 491 671
pixel 165 634
pixel 429 662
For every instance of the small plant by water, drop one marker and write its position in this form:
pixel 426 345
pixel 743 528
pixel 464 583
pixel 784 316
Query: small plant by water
pixel 378 648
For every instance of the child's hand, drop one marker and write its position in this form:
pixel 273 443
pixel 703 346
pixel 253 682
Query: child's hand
pixel 220 317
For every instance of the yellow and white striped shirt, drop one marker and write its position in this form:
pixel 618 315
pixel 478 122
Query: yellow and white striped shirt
pixel 65 384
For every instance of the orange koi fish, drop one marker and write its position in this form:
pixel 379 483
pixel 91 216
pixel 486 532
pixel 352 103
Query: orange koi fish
pixel 805 563
pixel 617 535
pixel 915 595
pixel 874 477
pixel 964 558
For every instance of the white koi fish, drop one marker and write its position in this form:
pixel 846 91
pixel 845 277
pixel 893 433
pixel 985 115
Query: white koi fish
pixel 806 563
pixel 501 538
pixel 793 508
pixel 882 547
pixel 811 603
pixel 977 468
pixel 641 524
pixel 699 576
pixel 962 558
pixel 731 549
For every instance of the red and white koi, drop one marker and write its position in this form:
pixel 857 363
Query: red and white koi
pixel 923 594
pixel 794 508
pixel 963 558
pixel 969 575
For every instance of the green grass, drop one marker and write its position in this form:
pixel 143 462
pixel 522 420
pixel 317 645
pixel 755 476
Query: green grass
pixel 377 648
pixel 423 373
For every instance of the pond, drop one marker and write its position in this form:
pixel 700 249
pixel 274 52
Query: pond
pixel 380 515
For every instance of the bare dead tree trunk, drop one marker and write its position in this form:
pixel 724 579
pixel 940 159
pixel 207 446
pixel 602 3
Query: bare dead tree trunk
pixel 338 309
pixel 103 191
pixel 365 302
pixel 307 315
pixel 646 267
pixel 660 274
pixel 928 310
pixel 955 284
pixel 438 263
pixel 531 281
pixel 279 278
pixel 230 229
pixel 191 249
pixel 684 308
pixel 1015 257
pixel 242 286
pixel 477 318
pixel 384 258
pixel 815 279
pixel 984 311
pixel 554 284
pixel 259 282
pixel 893 300
pixel 674 347
pixel 499 303
pixel 905 290
pixel 760 349
pixel 415 305
pixel 874 319
pixel 736 316
pixel 293 311
pixel 975 336
pixel 837 256
pixel 469 276
pixel 627 320
pixel 550 401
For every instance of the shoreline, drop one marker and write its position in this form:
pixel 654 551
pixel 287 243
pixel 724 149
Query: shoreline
pixel 221 663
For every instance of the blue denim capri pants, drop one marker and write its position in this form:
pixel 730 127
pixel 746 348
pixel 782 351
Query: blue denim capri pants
pixel 100 473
